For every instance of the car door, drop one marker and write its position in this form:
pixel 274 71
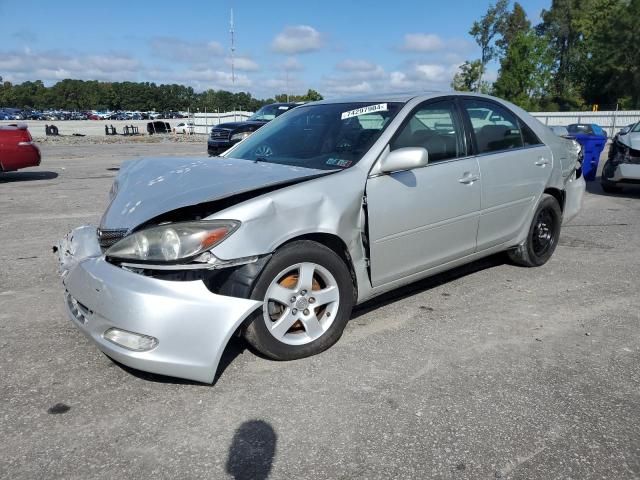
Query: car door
pixel 514 165
pixel 424 217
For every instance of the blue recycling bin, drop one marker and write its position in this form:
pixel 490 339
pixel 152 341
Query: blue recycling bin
pixel 592 146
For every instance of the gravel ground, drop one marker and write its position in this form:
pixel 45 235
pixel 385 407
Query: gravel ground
pixel 492 371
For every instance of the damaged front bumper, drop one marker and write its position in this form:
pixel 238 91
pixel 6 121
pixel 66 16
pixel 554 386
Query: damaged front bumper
pixel 622 173
pixel 190 325
pixel 623 165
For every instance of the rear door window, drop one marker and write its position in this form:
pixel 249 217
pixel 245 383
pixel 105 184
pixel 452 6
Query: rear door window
pixel 496 128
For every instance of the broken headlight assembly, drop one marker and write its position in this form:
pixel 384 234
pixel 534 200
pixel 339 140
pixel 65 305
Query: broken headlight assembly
pixel 173 243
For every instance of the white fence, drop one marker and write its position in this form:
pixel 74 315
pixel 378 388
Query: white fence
pixel 203 122
pixel 611 121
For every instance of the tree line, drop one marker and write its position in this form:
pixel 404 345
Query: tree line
pixel 582 53
pixel 80 95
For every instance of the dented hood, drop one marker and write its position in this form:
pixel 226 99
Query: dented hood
pixel 631 140
pixel 150 187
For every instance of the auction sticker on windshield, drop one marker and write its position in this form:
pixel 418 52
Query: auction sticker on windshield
pixel 381 107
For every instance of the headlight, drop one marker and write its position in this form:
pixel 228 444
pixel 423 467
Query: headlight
pixel 240 136
pixel 173 242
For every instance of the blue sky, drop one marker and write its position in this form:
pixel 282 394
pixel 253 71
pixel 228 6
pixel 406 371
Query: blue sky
pixel 335 47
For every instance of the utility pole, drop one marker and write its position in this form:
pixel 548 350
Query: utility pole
pixel 287 84
pixel 233 51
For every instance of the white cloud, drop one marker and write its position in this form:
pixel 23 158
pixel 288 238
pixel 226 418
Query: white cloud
pixel 359 76
pixel 422 42
pixel 202 79
pixel 432 72
pixel 243 64
pixel 344 85
pixel 51 66
pixel 399 81
pixel 350 65
pixel 183 51
pixel 361 70
pixel 292 64
pixel 297 39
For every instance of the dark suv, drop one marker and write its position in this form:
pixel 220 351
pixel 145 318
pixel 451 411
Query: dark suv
pixel 226 135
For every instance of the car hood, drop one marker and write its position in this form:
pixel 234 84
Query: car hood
pixel 234 125
pixel 147 188
pixel 631 140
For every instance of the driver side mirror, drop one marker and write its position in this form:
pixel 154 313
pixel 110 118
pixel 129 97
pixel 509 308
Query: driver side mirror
pixel 406 158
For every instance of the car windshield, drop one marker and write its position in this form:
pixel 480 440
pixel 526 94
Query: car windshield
pixel 269 112
pixel 327 137
pixel 636 128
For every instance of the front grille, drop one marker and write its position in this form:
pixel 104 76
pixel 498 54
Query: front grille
pixel 220 134
pixel 108 237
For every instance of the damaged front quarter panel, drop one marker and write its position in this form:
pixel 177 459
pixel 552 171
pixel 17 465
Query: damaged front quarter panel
pixel 330 206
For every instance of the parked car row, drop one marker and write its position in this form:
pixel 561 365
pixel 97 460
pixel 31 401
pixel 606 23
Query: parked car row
pixel 51 115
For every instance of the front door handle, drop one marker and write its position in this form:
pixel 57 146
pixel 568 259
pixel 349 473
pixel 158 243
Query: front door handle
pixel 542 162
pixel 468 178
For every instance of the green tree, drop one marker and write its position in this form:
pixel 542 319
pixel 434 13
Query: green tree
pixel 525 71
pixel 485 30
pixel 510 26
pixel 469 78
pixel 311 96
pixel 613 62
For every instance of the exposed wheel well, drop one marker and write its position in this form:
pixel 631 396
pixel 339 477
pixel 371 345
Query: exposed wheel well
pixel 336 244
pixel 558 194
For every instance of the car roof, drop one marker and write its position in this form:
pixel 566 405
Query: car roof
pixel 402 97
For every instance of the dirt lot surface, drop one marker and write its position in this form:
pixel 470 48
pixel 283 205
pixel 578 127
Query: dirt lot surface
pixel 492 371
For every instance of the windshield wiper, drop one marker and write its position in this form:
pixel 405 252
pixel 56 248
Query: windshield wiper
pixel 261 159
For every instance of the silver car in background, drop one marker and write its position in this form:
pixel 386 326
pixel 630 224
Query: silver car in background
pixel 623 164
pixel 328 205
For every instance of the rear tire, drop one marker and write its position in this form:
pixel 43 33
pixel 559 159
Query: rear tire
pixel 542 238
pixel 308 294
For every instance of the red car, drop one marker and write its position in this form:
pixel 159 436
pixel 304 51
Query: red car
pixel 17 149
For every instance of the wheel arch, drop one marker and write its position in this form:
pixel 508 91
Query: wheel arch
pixel 333 243
pixel 239 281
pixel 558 194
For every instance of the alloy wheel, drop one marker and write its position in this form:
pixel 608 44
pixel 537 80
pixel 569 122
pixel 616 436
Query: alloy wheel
pixel 301 303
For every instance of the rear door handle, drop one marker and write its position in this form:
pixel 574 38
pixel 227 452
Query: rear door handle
pixel 468 178
pixel 542 162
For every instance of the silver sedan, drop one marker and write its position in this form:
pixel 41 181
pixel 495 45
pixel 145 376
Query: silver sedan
pixel 329 205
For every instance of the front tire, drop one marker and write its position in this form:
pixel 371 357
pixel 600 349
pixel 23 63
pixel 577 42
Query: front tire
pixel 608 171
pixel 542 238
pixel 308 294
